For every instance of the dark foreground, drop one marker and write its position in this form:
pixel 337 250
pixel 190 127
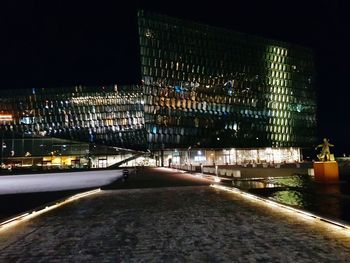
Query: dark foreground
pixel 11 205
pixel 192 223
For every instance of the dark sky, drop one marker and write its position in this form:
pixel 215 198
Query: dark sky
pixel 55 43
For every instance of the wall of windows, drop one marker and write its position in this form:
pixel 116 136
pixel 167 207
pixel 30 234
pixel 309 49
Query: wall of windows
pixel 201 86
pixel 207 86
pixel 103 115
pixel 232 156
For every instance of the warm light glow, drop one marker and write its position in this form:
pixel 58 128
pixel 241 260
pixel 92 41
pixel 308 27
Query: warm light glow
pixel 6 117
pixel 217 179
pixel 262 155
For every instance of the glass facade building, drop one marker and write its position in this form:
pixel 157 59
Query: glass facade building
pixel 209 86
pixel 108 115
pixel 201 86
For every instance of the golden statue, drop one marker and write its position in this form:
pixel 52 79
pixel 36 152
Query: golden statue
pixel 325 152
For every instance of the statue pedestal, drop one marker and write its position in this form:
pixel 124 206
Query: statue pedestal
pixel 326 172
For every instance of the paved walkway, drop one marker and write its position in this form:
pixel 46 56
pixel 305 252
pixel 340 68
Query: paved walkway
pixel 171 224
pixel 159 177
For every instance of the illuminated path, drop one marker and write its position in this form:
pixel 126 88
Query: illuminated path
pixel 56 181
pixel 171 224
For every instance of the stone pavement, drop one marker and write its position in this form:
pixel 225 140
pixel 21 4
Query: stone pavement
pixel 171 224
pixel 157 177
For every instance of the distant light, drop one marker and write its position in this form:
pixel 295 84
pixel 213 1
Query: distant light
pixel 218 138
pixel 217 180
pixel 199 152
pixel 6 117
pixel 299 108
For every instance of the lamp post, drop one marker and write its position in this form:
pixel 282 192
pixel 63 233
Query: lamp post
pixel 189 158
pixel 2 149
pixel 3 146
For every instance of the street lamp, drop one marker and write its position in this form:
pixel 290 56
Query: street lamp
pixel 189 157
pixel 3 146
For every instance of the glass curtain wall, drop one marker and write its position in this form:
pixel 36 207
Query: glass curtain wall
pixel 207 86
pixel 108 115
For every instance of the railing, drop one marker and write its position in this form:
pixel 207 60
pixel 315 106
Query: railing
pixel 234 171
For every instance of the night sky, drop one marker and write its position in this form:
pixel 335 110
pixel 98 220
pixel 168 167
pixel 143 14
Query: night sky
pixel 56 43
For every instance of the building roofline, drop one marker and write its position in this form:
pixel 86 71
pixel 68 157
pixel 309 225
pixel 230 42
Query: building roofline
pixel 230 31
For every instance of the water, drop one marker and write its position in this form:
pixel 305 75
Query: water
pixel 301 191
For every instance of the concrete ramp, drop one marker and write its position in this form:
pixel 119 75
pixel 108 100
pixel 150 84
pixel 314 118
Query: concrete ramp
pixel 33 183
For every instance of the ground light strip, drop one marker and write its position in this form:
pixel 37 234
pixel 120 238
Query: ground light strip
pixel 26 216
pixel 274 204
